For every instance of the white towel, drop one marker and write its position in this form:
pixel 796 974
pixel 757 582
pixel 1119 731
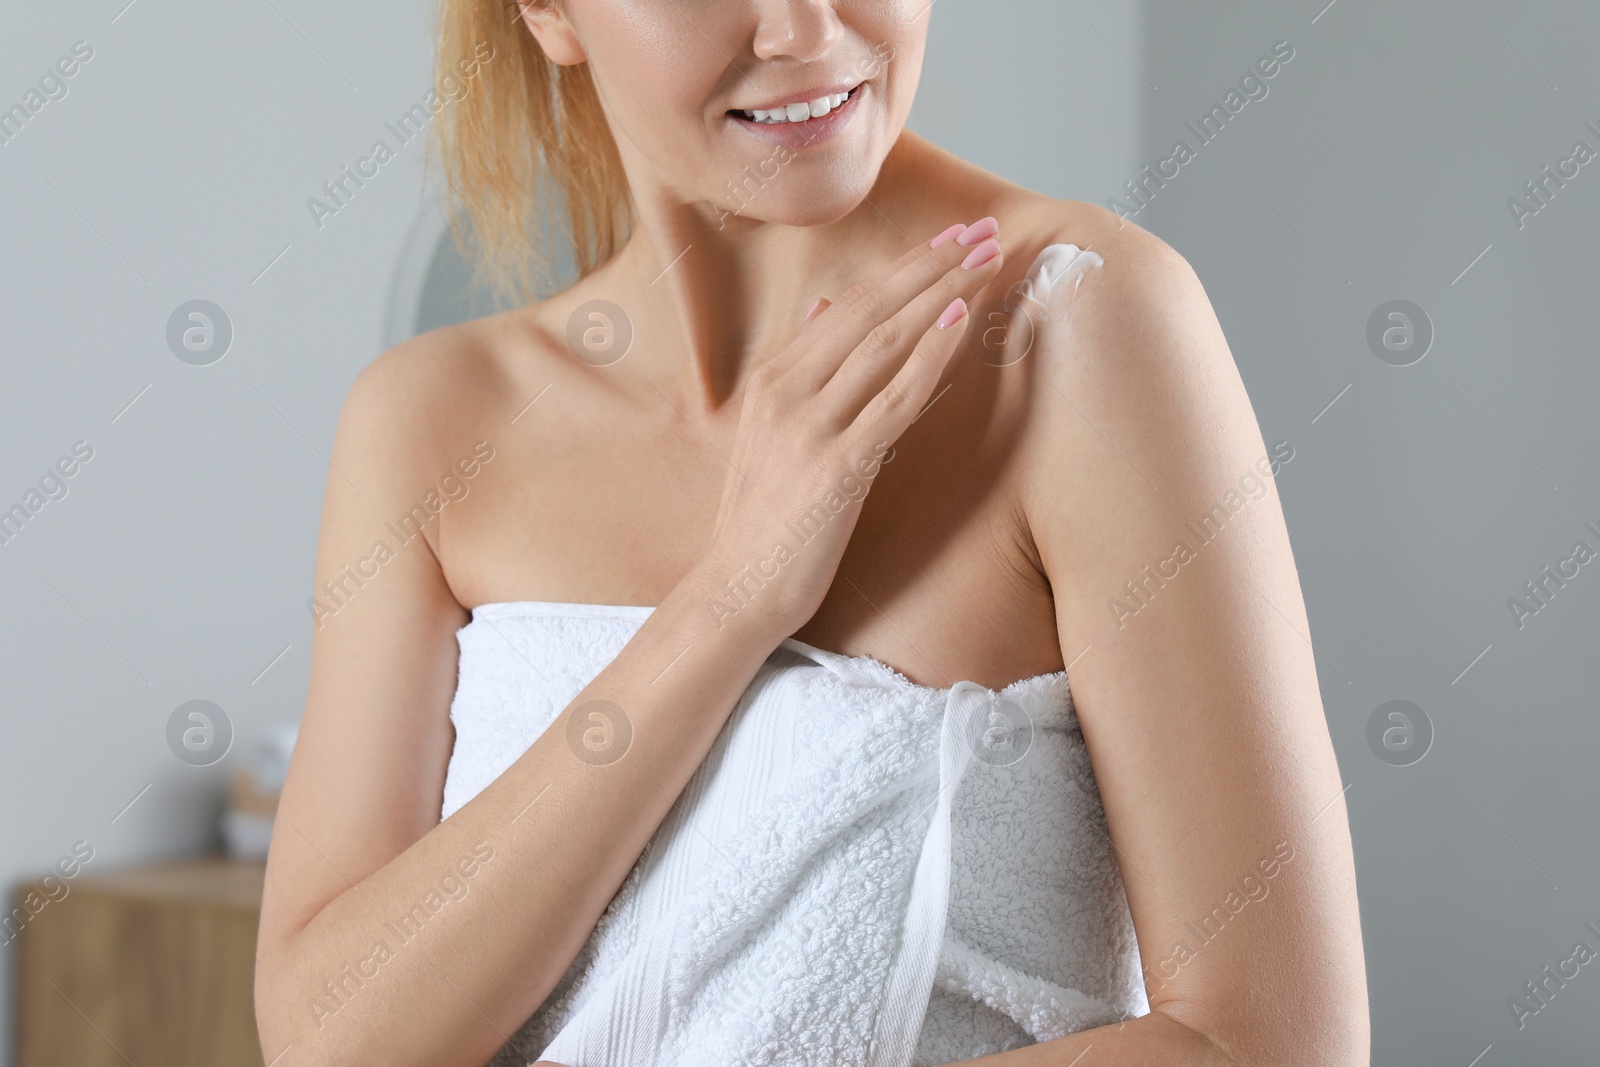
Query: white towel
pixel 800 905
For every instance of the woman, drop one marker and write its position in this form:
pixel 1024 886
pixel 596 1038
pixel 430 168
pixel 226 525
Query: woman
pixel 1064 470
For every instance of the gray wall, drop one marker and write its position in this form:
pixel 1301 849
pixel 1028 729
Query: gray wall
pixel 1381 162
pixel 176 567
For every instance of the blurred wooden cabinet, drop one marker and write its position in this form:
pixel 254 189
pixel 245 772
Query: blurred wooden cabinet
pixel 151 966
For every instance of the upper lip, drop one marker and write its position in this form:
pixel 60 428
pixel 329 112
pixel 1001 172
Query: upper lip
pixel 804 96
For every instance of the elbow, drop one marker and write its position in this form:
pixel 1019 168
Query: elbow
pixel 1260 1033
pixel 288 1017
pixel 315 1041
pixel 277 1029
pixel 343 1021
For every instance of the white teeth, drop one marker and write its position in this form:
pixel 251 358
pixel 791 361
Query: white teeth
pixel 797 112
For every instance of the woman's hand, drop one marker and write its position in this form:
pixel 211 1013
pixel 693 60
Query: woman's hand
pixel 370 766
pixel 818 419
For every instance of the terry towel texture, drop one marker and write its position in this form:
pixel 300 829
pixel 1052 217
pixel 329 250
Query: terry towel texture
pixel 864 872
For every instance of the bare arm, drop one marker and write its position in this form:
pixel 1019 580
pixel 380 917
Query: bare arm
pixel 1197 689
pixel 359 844
pixel 512 884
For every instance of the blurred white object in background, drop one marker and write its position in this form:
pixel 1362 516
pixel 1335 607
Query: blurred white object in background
pixel 253 790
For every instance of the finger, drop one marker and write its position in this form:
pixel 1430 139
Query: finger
pixel 889 270
pixel 879 358
pixel 867 304
pixel 898 404
pixel 954 238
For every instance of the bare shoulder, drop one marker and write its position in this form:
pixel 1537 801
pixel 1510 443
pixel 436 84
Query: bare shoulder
pixel 1119 319
pixel 420 382
pixel 1125 278
pixel 424 398
pixel 1135 409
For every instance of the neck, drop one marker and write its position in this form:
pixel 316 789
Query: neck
pixel 718 293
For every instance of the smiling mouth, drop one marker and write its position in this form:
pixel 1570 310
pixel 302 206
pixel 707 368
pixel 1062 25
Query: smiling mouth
pixel 799 111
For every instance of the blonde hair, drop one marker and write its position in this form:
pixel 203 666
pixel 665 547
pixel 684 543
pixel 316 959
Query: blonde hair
pixel 524 132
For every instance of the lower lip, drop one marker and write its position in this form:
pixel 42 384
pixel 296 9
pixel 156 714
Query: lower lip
pixel 803 134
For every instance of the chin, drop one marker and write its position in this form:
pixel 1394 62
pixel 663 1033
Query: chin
pixel 796 196
pixel 820 211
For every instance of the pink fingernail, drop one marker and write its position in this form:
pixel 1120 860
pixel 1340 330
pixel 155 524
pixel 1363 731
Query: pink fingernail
pixel 949 235
pixel 814 308
pixel 952 314
pixel 982 254
pixel 978 231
